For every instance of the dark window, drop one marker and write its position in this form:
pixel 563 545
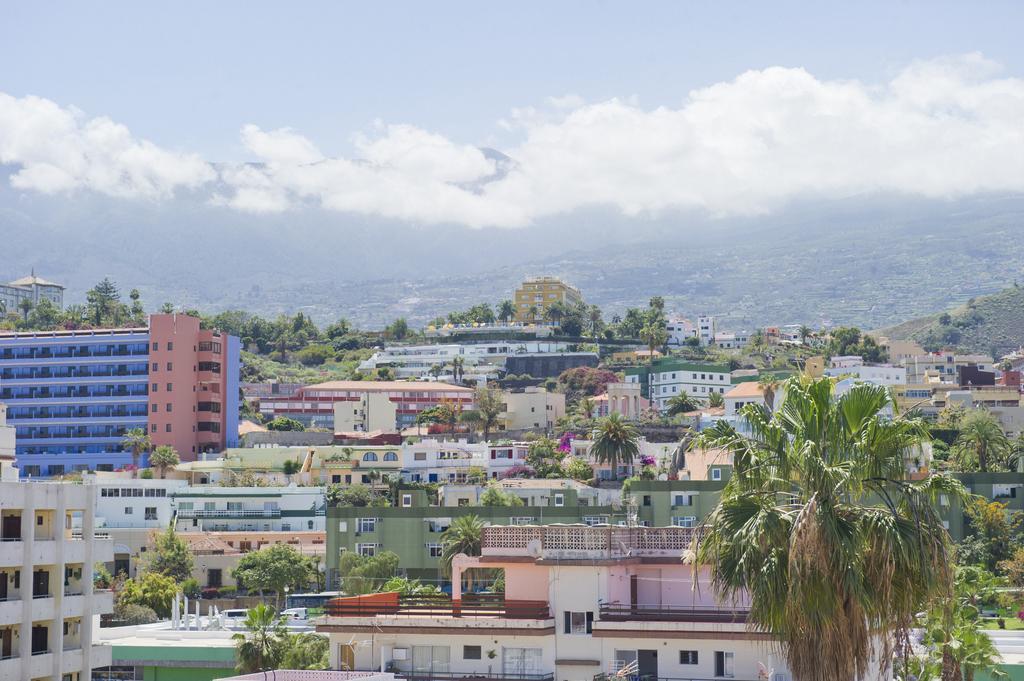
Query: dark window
pixel 687 657
pixel 170 346
pixel 214 579
pixel 471 652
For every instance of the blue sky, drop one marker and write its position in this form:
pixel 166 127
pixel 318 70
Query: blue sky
pixel 379 108
pixel 188 75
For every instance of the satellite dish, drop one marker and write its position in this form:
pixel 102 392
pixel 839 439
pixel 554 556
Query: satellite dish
pixel 663 476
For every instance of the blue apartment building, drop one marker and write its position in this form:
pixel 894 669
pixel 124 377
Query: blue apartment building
pixel 72 395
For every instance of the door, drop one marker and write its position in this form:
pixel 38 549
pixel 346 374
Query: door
pixel 647 664
pixel 3 586
pixel 346 657
pixel 11 528
pixel 5 643
pixel 40 583
pixel 634 591
pixel 40 636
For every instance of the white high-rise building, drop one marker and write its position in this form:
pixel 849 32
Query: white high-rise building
pixel 706 329
pixel 49 609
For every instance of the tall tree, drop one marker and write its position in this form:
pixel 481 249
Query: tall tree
pixel 615 442
pixel 506 310
pixel 981 441
pixel 769 384
pixel 259 645
pixel 274 568
pixel 490 404
pixel 103 300
pixel 464 535
pixel 137 441
pixel 821 528
pixel 164 458
pixel 171 556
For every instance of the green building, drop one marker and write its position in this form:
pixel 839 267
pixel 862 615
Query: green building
pixel 154 653
pixel 1007 488
pixel 413 529
pixel 671 376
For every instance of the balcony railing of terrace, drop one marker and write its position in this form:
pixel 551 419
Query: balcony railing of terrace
pixel 613 612
pixel 471 605
pixel 580 541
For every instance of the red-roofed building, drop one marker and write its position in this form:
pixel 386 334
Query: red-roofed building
pixel 313 405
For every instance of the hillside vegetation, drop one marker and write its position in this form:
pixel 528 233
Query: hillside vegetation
pixel 992 324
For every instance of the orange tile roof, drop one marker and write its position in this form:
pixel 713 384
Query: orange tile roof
pixel 746 389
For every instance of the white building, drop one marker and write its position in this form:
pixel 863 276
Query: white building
pixel 49 609
pixel 578 602
pixel 7 435
pixel 679 329
pixel 532 408
pixel 672 377
pixel 130 511
pixel 706 329
pixel 252 509
pixel 480 360
pixel 880 374
pixel 442 461
pixel 30 288
pixel 732 341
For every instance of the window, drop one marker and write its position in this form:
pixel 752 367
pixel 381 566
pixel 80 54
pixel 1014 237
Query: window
pixel 151 513
pixel 716 473
pixel 156 346
pixel 559 500
pixel 684 521
pixel 434 551
pixel 593 520
pixel 369 456
pixel 214 578
pixel 521 520
pixel 419 456
pixel 336 479
pixel 390 456
pixel 155 407
pixel 724 665
pixel 156 367
pixel 167 428
pixel 471 652
pixel 170 386
pixel 687 657
pixel 683 500
pixel 406 500
pixel 170 366
pixel 367 524
pixel 579 622
pixel 168 406
pixel 170 346
pixel 156 386
pixel 128 510
pixel 368 550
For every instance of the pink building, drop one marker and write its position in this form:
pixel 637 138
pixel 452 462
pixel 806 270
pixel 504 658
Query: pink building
pixel 578 602
pixel 193 391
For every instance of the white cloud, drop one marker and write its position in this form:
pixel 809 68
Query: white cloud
pixel 940 128
pixel 59 150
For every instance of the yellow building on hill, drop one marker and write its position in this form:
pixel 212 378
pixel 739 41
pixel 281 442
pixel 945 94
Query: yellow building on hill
pixel 534 296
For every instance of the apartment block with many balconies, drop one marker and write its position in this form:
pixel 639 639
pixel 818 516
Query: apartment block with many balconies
pixel 72 395
pixel 49 609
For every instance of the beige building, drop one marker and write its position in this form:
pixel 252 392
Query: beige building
pixel 532 408
pixel 370 412
pixel 49 608
pixel 540 293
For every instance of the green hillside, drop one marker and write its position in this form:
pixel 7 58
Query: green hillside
pixel 991 324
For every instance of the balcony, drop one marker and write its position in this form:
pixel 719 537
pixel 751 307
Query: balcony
pixel 473 606
pixel 475 676
pixel 569 542
pixel 668 613
pixel 228 514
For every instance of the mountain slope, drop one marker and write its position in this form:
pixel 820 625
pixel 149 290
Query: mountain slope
pixel 991 324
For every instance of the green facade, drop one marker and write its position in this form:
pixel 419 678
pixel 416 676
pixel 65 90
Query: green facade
pixel 178 663
pixel 989 486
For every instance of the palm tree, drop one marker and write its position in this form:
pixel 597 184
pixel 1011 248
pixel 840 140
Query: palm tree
pixel 681 403
pixel 805 333
pixel 464 535
pixel 615 442
pixel 715 399
pixel 448 412
pixel 490 405
pixel 981 440
pixel 137 440
pixel 655 336
pixel 533 312
pixel 290 468
pixel 506 310
pixel 595 321
pixel 768 383
pixel 585 409
pixel 259 647
pixel 26 307
pixel 458 369
pixel 820 527
pixel 164 457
